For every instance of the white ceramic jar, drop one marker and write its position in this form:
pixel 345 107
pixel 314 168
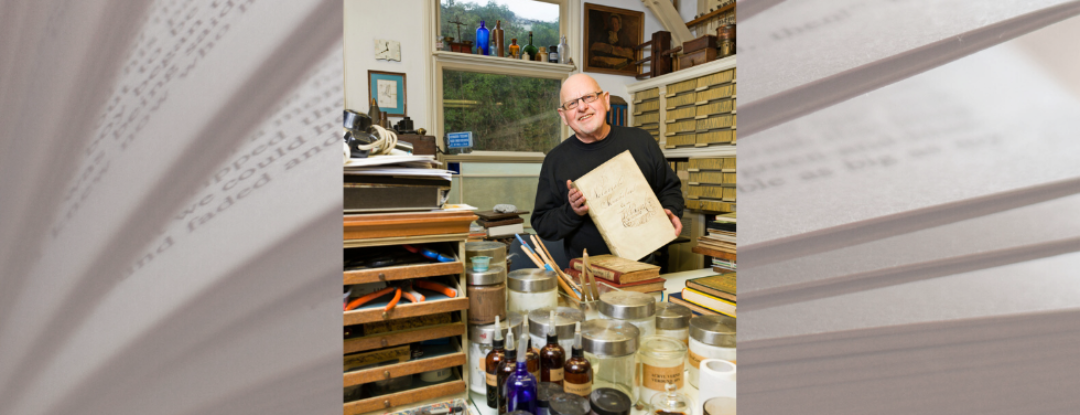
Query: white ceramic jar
pixel 711 337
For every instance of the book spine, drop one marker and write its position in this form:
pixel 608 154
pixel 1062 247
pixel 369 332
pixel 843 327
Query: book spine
pixel 607 274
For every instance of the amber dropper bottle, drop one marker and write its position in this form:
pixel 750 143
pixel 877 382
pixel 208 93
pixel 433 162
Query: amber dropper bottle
pixel 506 368
pixel 491 366
pixel 577 372
pixel 552 356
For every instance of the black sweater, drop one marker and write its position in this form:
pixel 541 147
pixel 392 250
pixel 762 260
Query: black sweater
pixel 552 217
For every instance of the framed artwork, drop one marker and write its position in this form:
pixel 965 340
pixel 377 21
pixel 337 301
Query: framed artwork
pixel 611 36
pixel 388 90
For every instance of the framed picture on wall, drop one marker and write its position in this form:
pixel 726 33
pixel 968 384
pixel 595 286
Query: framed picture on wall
pixel 388 90
pixel 611 36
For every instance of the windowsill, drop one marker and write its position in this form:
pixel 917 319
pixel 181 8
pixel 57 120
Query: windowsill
pixel 496 157
pixel 493 63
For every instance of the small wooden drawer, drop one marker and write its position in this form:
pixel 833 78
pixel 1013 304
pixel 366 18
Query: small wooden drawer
pixel 397 225
pixel 378 341
pixel 646 94
pixel 403 310
pixel 426 364
pixel 405 397
pixel 403 272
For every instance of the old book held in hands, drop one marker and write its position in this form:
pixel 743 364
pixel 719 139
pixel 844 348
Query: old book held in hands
pixel 624 208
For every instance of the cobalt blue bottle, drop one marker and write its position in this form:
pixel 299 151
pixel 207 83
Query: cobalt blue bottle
pixel 483 39
pixel 521 386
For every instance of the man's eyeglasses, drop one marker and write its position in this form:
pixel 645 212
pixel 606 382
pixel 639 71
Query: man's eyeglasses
pixel 587 99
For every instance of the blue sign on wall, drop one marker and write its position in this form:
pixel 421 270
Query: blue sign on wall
pixel 459 140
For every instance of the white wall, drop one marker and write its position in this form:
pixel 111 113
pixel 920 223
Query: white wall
pixel 400 20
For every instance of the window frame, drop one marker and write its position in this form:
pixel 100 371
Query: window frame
pixel 443 60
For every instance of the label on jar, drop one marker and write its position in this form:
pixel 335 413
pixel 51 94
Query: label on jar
pixel 695 359
pixel 580 389
pixel 555 375
pixel 656 377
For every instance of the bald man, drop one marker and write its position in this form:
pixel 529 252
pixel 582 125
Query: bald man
pixel 560 211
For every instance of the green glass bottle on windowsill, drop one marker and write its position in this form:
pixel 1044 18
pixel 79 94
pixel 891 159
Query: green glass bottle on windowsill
pixel 531 49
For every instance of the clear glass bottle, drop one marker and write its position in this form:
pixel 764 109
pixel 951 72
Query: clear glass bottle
pixel 671 402
pixel 521 386
pixel 552 357
pixel 564 51
pixel 530 49
pixel 633 307
pixel 663 362
pixel 531 288
pixel 711 337
pixel 483 39
pixel 610 347
pixel 577 371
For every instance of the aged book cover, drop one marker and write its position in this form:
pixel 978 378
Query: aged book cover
pixel 624 208
pixel 618 270
pixel 722 286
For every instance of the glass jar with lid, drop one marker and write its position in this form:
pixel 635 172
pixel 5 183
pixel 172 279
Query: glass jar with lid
pixel 608 401
pixel 633 307
pixel 568 404
pixel 531 288
pixel 480 343
pixel 487 294
pixel 663 362
pixel 610 347
pixel 565 317
pixel 495 250
pixel 711 337
pixel 673 321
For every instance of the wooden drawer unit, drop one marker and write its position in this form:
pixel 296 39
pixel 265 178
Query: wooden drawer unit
pixel 438 317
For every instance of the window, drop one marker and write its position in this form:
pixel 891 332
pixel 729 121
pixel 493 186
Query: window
pixel 504 112
pixel 518 17
pixel 509 105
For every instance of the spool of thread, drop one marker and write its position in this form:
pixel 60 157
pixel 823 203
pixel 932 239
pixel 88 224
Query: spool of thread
pixel 720 375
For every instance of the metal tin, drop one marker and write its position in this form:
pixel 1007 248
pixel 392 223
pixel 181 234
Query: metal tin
pixel 671 316
pixel 493 275
pixel 531 280
pixel 485 333
pixel 713 330
pixel 608 401
pixel 627 305
pixel 568 404
pixel 565 317
pixel 609 337
pixel 495 250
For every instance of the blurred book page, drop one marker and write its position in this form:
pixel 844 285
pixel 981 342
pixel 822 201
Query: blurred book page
pixel 807 55
pixel 984 134
pixel 1036 286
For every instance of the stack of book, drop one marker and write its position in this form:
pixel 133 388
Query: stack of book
pixel 721 237
pixel 501 225
pixel 710 295
pixel 613 272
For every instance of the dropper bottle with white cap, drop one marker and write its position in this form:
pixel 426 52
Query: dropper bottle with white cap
pixel 577 372
pixel 491 366
pixel 552 356
pixel 521 386
pixel 506 368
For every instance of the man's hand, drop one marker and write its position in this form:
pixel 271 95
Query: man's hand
pixel 577 200
pixel 674 221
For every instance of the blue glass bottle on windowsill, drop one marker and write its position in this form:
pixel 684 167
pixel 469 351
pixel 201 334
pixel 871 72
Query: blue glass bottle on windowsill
pixel 483 39
pixel 521 387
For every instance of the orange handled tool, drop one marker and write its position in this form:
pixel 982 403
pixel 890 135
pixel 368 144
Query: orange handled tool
pixel 434 286
pixel 360 301
pixel 397 297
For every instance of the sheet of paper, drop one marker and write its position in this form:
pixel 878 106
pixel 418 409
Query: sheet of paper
pixel 1043 229
pixel 1041 285
pixel 802 56
pixel 986 133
